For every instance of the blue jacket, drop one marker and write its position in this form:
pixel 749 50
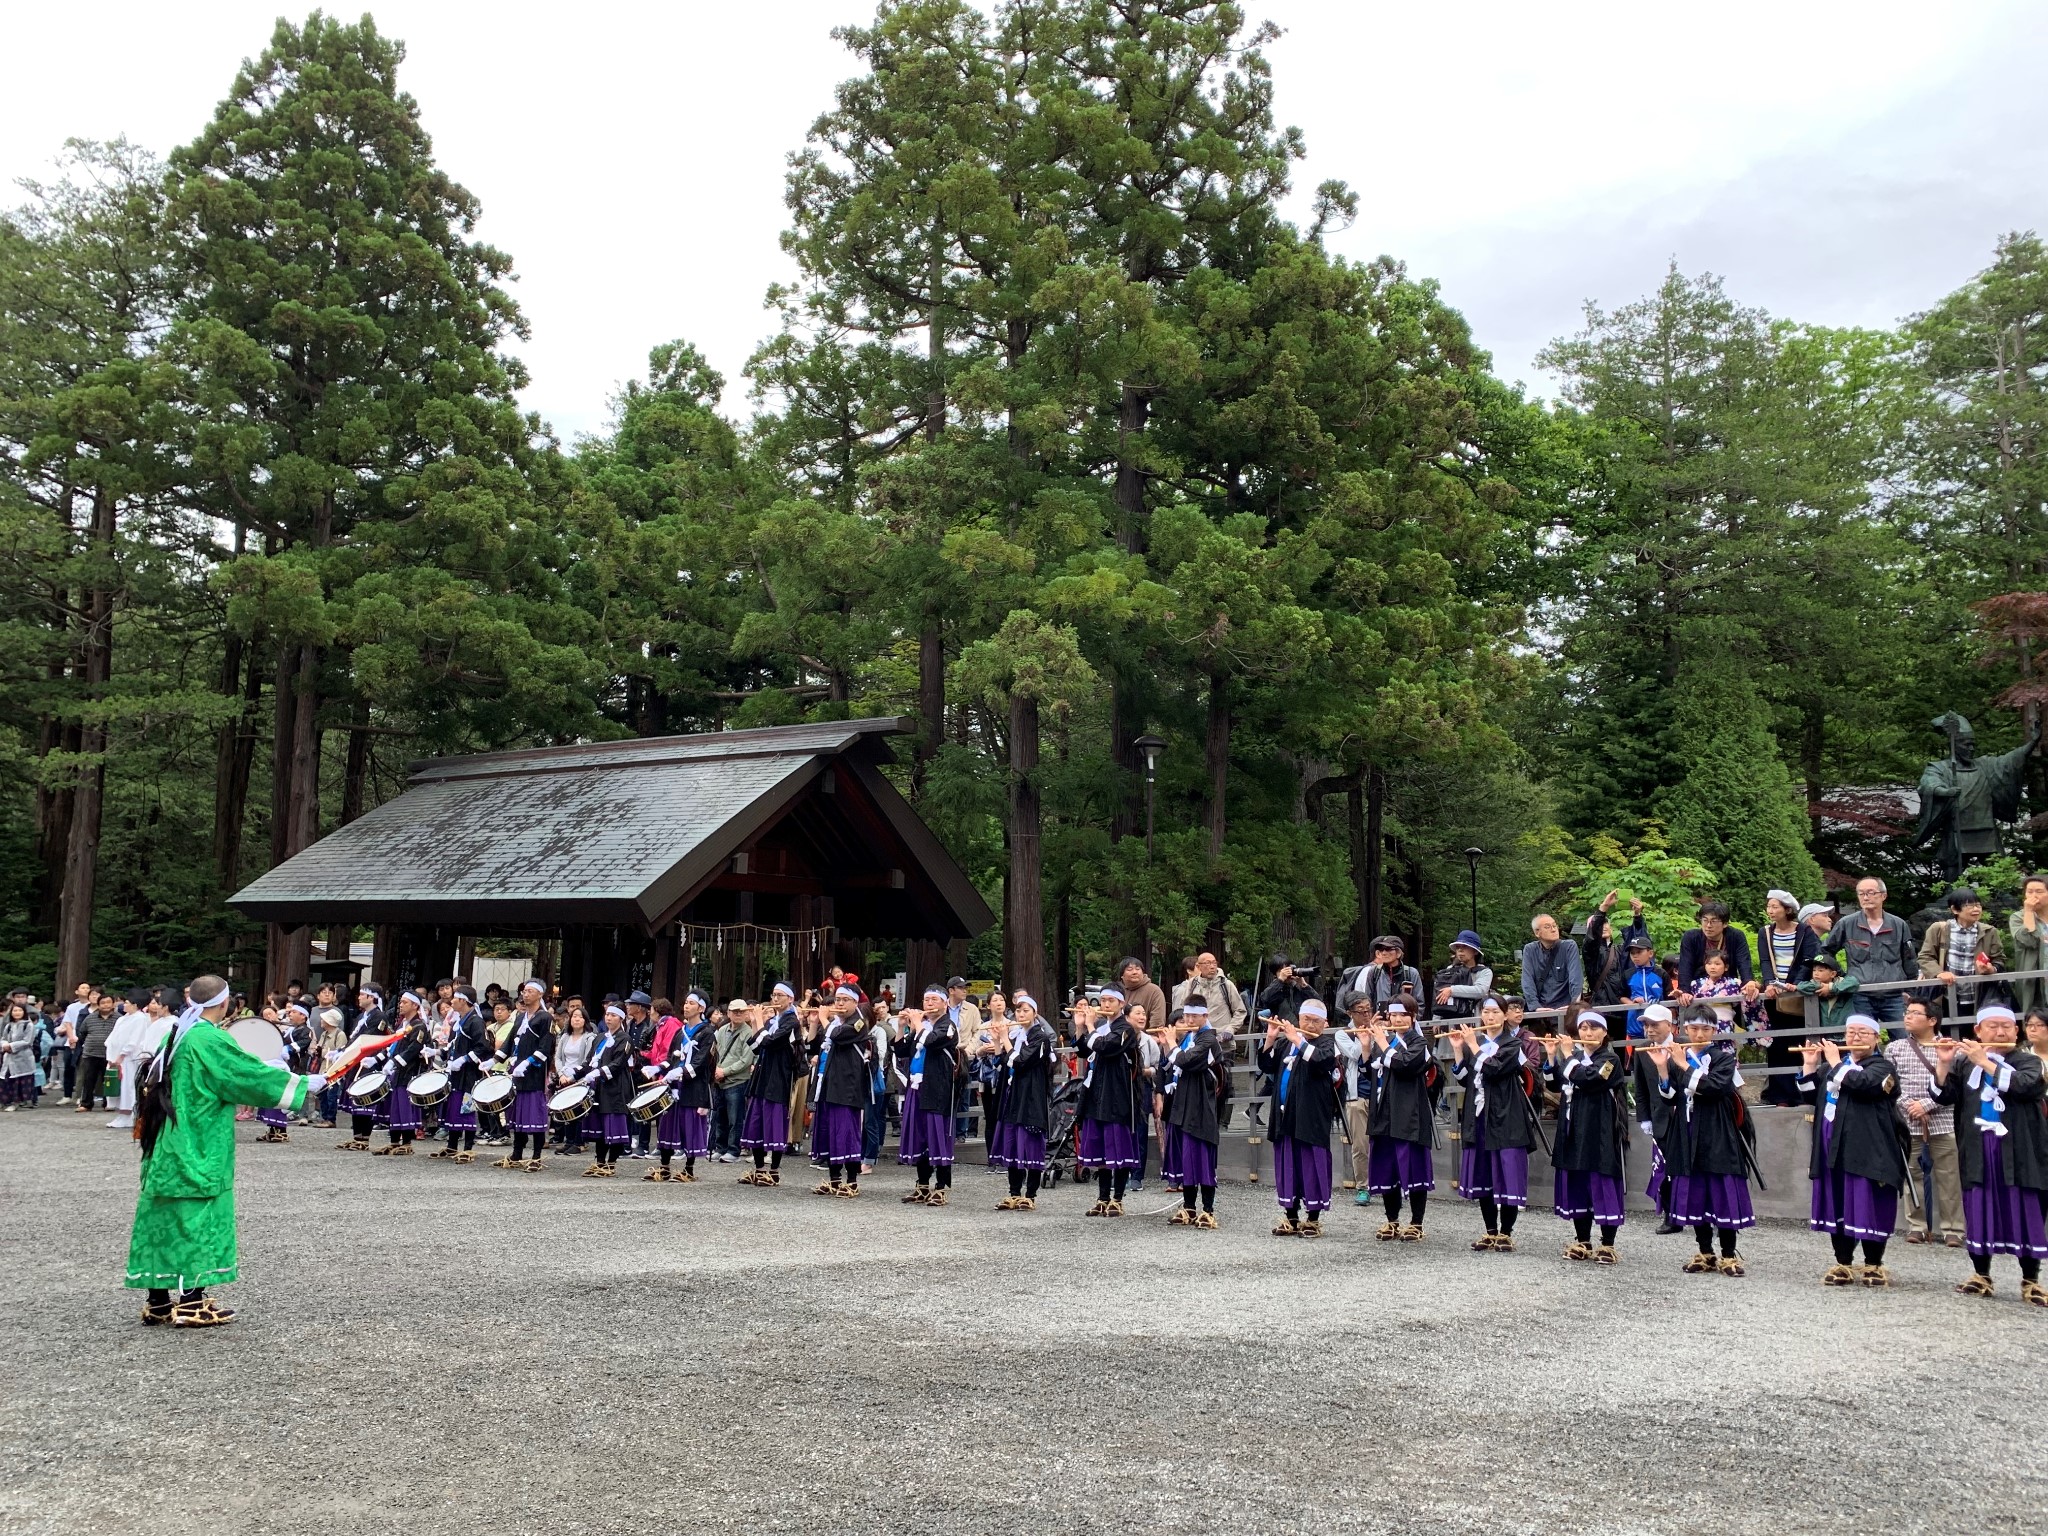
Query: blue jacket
pixel 1646 982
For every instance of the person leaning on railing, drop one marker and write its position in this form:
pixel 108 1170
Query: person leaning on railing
pixel 1876 946
pixel 1959 949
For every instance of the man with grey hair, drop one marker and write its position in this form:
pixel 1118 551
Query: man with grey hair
pixel 1553 976
pixel 1876 946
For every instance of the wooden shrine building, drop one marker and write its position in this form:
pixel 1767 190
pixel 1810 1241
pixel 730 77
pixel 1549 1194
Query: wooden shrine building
pixel 635 863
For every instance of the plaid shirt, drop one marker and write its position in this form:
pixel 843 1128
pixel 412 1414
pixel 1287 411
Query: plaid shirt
pixel 1962 961
pixel 1916 1081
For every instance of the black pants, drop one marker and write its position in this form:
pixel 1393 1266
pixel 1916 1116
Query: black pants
pixel 92 1079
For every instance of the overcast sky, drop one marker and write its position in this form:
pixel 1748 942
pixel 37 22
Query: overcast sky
pixel 1838 163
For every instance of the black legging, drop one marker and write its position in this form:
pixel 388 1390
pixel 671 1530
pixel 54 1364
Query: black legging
pixel 771 1157
pixel 1418 1202
pixel 850 1172
pixel 519 1141
pixel 668 1156
pixel 1110 1182
pixel 1207 1192
pixel 1704 1233
pixel 465 1138
pixel 1025 1181
pixel 1582 1226
pixel 405 1136
pixel 1498 1218
pixel 1845 1249
pixel 924 1173
pixel 2030 1269
pixel 362 1125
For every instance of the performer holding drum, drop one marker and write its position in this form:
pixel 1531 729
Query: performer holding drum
pixel 401 1061
pixel 684 1114
pixel 526 1053
pixel 469 1047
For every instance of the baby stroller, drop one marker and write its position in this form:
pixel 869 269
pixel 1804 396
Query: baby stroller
pixel 1063 1135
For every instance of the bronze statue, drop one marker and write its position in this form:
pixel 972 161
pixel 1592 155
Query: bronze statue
pixel 1963 797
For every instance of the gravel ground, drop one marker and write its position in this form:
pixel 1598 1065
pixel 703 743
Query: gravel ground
pixel 441 1349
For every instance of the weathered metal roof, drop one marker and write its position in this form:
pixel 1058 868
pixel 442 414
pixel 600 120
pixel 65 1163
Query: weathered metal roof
pixel 607 832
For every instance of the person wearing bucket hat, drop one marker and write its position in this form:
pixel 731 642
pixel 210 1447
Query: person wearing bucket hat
pixel 1465 981
pixel 1995 1086
pixel 1855 1164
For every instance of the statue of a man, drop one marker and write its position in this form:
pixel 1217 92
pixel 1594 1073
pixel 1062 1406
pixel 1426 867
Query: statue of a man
pixel 1963 798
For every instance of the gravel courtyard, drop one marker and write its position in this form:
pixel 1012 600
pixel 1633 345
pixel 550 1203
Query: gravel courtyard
pixel 436 1349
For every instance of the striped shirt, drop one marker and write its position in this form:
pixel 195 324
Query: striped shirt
pixel 1916 1081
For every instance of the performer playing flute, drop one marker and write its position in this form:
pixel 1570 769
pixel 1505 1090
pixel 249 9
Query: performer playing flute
pixel 778 1053
pixel 1995 1085
pixel 1400 1068
pixel 1856 1165
pixel 685 1126
pixel 183 1239
pixel 1308 1096
pixel 1108 1142
pixel 1024 1111
pixel 469 1047
pixel 927 1051
pixel 1497 1122
pixel 1587 1159
pixel 527 1050
pixel 845 1088
pixel 1704 1146
pixel 1652 1109
pixel 1193 1080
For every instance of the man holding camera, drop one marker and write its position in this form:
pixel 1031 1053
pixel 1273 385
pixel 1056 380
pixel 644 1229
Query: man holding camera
pixel 1287 991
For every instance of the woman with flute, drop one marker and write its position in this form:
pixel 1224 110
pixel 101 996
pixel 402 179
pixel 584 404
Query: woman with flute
pixel 1592 1090
pixel 1856 1165
pixel 1497 1123
pixel 1401 1073
pixel 1704 1148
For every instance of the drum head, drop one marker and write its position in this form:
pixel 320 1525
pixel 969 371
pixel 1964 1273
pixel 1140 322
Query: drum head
pixel 647 1096
pixel 259 1037
pixel 491 1090
pixel 565 1099
pixel 428 1082
pixel 369 1087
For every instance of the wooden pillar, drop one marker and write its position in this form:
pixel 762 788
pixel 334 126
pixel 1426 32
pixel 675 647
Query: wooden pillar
pixel 286 955
pixel 384 958
pixel 686 961
pixel 665 983
pixel 924 965
pixel 465 958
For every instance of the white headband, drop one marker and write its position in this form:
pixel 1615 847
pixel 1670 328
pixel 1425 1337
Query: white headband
pixel 1995 1011
pixel 1314 1010
pixel 782 989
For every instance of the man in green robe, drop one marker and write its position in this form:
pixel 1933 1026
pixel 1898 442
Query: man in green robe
pixel 184 1235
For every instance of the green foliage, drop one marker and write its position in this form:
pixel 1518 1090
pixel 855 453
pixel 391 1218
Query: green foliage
pixel 1669 886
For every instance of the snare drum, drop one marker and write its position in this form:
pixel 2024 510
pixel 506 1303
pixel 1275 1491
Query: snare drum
pixel 567 1104
pixel 260 1038
pixel 492 1095
pixel 428 1089
pixel 648 1103
pixel 372 1088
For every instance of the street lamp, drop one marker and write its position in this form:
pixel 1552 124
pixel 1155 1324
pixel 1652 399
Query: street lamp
pixel 1151 746
pixel 1472 858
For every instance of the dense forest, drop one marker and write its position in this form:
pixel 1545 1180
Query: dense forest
pixel 1064 439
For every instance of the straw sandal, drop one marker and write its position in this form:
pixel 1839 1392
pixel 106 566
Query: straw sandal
pixel 203 1313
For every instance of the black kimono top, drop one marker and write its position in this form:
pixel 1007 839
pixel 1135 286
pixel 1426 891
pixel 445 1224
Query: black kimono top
pixel 610 1073
pixel 1504 1090
pixel 1194 1079
pixel 1308 1087
pixel 1405 1083
pixel 469 1047
pixel 369 1023
pixel 929 1062
pixel 691 1060
pixel 778 1047
pixel 530 1044
pixel 2006 1094
pixel 1592 1098
pixel 406 1056
pixel 1704 1133
pixel 1027 1080
pixel 1858 1099
pixel 1108 1092
pixel 844 1052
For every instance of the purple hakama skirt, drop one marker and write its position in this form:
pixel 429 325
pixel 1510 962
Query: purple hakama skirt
pixel 766 1126
pixel 1849 1203
pixel 1107 1144
pixel 1017 1146
pixel 835 1134
pixel 458 1113
pixel 681 1128
pixel 1503 1175
pixel 1655 1193
pixel 614 1130
pixel 927 1133
pixel 1711 1199
pixel 1392 1165
pixel 1999 1217
pixel 275 1118
pixel 530 1111
pixel 1598 1195
pixel 1301 1174
pixel 1194 1158
pixel 404 1114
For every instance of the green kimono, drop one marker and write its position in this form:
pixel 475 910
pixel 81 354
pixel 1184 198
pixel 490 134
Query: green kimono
pixel 184 1235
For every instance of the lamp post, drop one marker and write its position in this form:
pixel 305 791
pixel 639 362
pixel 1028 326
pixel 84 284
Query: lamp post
pixel 1151 746
pixel 1472 858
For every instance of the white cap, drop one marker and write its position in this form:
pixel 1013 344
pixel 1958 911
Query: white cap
pixel 1656 1013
